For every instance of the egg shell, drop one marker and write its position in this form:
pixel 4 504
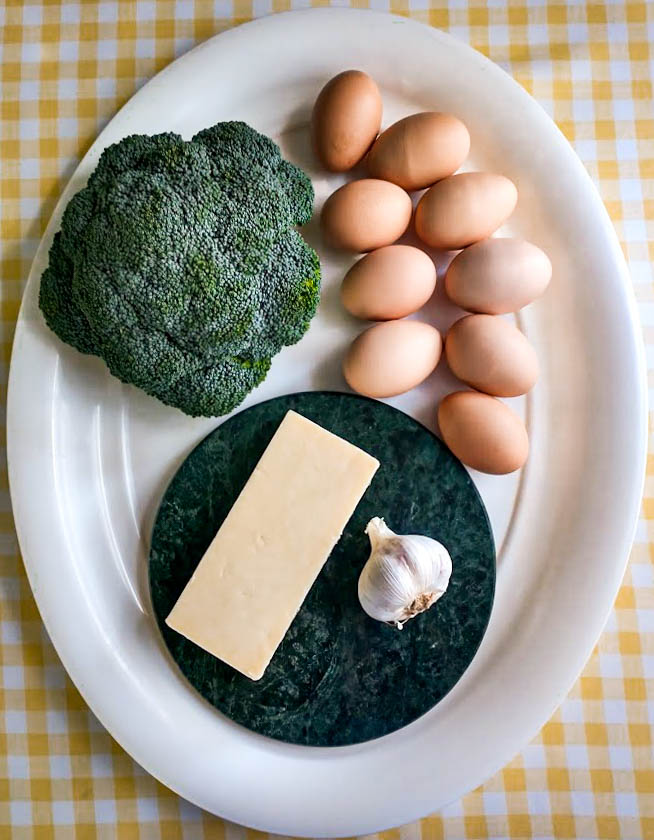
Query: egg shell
pixel 483 432
pixel 419 150
pixel 464 208
pixel 391 358
pixel 389 283
pixel 492 355
pixel 345 120
pixel 498 276
pixel 364 215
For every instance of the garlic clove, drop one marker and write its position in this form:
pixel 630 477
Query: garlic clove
pixel 404 575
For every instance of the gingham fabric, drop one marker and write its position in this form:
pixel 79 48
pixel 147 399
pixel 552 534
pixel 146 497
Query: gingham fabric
pixel 65 69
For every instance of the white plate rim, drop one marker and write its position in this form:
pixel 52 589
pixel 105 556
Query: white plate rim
pixel 406 810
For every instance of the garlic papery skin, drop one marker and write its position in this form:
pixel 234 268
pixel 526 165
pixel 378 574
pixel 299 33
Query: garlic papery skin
pixel 403 576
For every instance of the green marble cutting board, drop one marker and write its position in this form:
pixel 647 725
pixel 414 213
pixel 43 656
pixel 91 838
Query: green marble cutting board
pixel 338 677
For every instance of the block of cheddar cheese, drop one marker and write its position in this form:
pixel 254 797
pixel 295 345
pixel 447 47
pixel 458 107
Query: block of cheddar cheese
pixel 260 566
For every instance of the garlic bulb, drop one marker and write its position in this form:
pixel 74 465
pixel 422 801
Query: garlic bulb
pixel 404 575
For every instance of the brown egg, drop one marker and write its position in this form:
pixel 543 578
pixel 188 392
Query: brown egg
pixel 389 283
pixel 391 358
pixel 345 120
pixel 492 355
pixel 364 215
pixel 464 208
pixel 483 432
pixel 419 150
pixel 497 276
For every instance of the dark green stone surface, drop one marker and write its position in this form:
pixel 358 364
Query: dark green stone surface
pixel 338 677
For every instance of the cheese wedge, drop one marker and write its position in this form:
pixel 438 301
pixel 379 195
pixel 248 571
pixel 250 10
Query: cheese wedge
pixel 255 575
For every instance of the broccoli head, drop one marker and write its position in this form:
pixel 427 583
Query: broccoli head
pixel 179 264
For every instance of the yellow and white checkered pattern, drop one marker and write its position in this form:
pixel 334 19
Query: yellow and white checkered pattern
pixel 65 68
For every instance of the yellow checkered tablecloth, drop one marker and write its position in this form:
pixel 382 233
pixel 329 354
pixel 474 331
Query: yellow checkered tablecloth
pixel 65 69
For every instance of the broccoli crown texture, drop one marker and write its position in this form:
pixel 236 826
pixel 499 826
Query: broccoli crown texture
pixel 180 266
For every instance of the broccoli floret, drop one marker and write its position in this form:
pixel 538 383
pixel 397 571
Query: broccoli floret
pixel 179 264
